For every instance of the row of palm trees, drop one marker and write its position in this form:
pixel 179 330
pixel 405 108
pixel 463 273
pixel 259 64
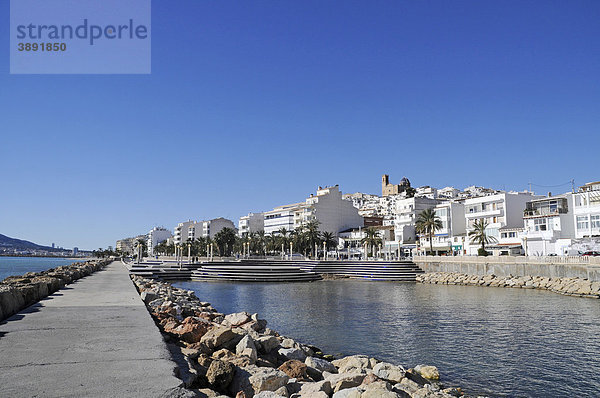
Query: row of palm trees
pixel 428 222
pixel 305 239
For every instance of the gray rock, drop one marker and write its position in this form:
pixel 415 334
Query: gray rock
pixel 390 372
pixel 220 374
pixel 293 353
pixel 267 379
pixel 217 336
pixel 288 343
pixel 348 393
pixel 352 363
pixel 236 319
pixel 246 347
pixel 320 364
pixel 267 343
pixel 321 386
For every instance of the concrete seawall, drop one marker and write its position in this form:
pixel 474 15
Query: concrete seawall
pixel 550 267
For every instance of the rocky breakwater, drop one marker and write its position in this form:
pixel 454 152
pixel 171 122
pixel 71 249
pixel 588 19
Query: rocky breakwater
pixel 236 355
pixel 568 286
pixel 18 292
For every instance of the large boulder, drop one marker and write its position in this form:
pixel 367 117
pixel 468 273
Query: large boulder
pixel 217 336
pixel 352 363
pixel 220 374
pixel 428 372
pixel 246 347
pixel 389 372
pixel 345 380
pixel 267 344
pixel 348 393
pixel 321 365
pixel 268 379
pixel 293 353
pixel 294 369
pixel 191 329
pixel 321 386
pixel 239 318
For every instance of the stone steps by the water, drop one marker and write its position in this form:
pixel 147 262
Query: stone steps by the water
pixel 247 271
pixel 278 270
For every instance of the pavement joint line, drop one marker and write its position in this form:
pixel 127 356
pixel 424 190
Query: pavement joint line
pixel 24 365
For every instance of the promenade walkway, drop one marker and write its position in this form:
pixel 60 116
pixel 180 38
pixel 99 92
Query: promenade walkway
pixel 93 338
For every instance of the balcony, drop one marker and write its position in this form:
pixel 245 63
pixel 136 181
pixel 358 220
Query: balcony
pixel 544 212
pixel 485 213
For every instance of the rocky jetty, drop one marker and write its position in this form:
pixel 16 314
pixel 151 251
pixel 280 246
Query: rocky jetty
pixel 18 292
pixel 236 355
pixel 567 286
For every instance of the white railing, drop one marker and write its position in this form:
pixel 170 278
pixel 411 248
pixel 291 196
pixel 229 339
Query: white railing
pixel 583 260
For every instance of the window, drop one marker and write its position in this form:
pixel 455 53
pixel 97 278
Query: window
pixel 595 219
pixel 503 235
pixel 540 224
pixel 582 222
pixel 512 234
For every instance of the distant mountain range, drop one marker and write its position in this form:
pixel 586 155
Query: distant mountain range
pixel 12 243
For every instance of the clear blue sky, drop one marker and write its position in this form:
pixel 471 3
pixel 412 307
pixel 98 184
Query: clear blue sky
pixel 254 104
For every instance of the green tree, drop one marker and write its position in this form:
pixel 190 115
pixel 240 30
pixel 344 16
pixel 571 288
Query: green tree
pixel 141 244
pixel 329 239
pixel 225 239
pixel 371 238
pixel 311 235
pixel 479 235
pixel 427 223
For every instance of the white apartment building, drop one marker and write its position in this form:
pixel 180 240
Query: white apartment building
pixel 253 222
pixel 448 193
pixel 549 225
pixel 196 229
pixel 586 211
pixel 426 192
pixel 333 213
pixel 184 231
pixel 155 236
pixel 499 210
pixel 128 245
pixel 406 215
pixel 450 238
pixel 281 217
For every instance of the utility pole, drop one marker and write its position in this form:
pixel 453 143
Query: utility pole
pixel 572 185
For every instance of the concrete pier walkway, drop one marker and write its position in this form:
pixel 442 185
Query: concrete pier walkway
pixel 93 338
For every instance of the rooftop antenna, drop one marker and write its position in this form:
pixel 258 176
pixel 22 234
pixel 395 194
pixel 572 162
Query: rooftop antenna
pixel 573 185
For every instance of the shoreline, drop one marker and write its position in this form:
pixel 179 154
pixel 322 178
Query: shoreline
pixel 236 355
pixel 572 286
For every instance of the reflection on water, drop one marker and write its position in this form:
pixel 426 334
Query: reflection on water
pixel 495 341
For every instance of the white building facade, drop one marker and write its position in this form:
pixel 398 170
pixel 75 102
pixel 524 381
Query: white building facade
pixel 549 225
pixel 333 213
pixel 586 211
pixel 253 222
pixel 155 236
pixel 499 211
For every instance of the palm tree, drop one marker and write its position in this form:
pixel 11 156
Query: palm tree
pixel 329 239
pixel 225 239
pixel 427 223
pixel 371 238
pixel 311 233
pixel 478 235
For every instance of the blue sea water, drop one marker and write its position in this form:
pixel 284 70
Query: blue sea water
pixel 10 266
pixel 491 341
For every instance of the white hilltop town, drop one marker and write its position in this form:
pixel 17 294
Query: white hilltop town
pixel 518 223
